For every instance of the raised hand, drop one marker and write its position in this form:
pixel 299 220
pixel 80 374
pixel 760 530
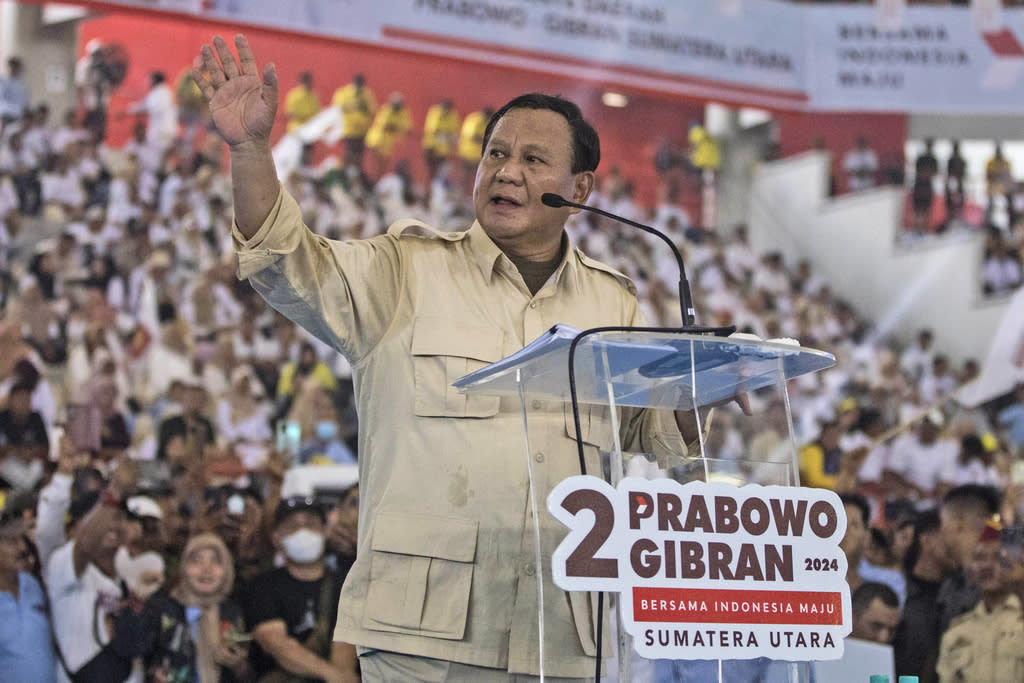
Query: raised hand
pixel 242 103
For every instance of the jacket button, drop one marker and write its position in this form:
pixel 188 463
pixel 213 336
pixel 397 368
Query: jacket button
pixel 539 457
pixel 530 569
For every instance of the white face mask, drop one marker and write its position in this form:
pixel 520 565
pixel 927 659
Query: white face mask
pixel 142 574
pixel 303 546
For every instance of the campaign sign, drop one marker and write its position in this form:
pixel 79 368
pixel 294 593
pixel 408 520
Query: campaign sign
pixel 710 571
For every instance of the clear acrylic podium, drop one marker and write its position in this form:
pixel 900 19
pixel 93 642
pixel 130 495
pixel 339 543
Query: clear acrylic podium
pixel 669 370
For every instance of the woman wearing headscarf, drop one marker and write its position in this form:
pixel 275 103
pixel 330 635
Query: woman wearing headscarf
pixel 192 632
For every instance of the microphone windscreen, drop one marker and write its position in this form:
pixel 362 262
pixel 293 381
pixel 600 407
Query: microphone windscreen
pixel 552 199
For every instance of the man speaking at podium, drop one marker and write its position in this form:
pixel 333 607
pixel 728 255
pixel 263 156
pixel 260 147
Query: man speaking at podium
pixel 444 585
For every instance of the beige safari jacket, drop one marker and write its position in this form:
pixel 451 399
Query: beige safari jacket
pixel 983 646
pixel 445 565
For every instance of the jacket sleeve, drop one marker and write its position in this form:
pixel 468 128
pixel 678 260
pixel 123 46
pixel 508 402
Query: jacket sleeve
pixel 344 293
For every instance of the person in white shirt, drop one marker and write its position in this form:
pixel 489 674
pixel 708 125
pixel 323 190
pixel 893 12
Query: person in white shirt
pixel 1001 273
pixel 917 359
pixel 861 166
pixel 81 580
pixel 918 460
pixel 62 189
pixel 158 105
pixel 974 464
pixel 39 134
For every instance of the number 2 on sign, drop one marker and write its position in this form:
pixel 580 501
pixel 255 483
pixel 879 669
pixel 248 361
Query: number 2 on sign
pixel 583 561
pixel 821 564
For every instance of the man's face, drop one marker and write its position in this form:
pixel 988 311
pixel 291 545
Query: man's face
pixel 194 400
pixel 877 623
pixel 959 536
pixel 13 551
pixel 927 432
pixel 987 567
pixel 20 403
pixel 529 153
pixel 855 541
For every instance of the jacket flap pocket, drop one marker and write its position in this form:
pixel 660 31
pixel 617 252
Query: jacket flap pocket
pixel 447 538
pixel 444 337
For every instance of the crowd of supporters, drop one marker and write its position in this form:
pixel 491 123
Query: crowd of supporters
pixel 154 409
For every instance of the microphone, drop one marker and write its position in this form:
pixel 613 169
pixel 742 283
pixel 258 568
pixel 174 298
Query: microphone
pixel 685 300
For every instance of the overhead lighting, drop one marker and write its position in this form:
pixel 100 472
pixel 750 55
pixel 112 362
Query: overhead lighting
pixel 614 99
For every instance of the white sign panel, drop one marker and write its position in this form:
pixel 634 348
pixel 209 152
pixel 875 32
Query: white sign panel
pixel 765 53
pixel 937 60
pixel 710 571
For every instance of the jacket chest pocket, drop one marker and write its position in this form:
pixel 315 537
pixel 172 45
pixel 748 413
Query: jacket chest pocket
pixel 595 425
pixel 421 573
pixel 443 351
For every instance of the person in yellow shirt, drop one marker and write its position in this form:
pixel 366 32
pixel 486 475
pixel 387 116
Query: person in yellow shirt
pixel 440 131
pixel 821 460
pixel 471 139
pixel 301 103
pixel 357 104
pixel 392 122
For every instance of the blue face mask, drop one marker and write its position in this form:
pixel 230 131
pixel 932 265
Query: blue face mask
pixel 326 431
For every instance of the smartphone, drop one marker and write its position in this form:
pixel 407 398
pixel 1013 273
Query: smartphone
pixel 234 636
pixel 289 437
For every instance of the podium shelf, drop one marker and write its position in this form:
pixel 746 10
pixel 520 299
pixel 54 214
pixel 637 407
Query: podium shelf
pixel 662 369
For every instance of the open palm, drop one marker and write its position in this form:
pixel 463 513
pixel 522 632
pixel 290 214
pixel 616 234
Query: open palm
pixel 242 102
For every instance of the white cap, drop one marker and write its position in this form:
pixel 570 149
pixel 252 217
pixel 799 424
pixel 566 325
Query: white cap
pixel 144 506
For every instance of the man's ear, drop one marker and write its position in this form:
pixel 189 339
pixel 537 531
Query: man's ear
pixel 583 185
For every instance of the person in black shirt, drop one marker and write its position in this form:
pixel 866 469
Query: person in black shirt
pixel 291 610
pixel 183 437
pixel 916 643
pixel 926 167
pixel 24 444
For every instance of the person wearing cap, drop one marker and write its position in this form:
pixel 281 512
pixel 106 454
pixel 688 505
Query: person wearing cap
pixel 986 645
pixel 292 609
pixel 83 586
pixel 26 650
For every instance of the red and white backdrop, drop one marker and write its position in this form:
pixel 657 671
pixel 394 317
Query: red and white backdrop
pixel 766 53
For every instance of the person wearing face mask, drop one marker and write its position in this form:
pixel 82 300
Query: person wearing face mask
pixel 292 609
pixel 191 632
pixel 325 445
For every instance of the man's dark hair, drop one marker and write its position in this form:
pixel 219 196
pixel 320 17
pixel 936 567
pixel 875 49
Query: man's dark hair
pixel 586 146
pixel 21 386
pixel 157 77
pixel 976 500
pixel 926 522
pixel 868 591
pixel 860 502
